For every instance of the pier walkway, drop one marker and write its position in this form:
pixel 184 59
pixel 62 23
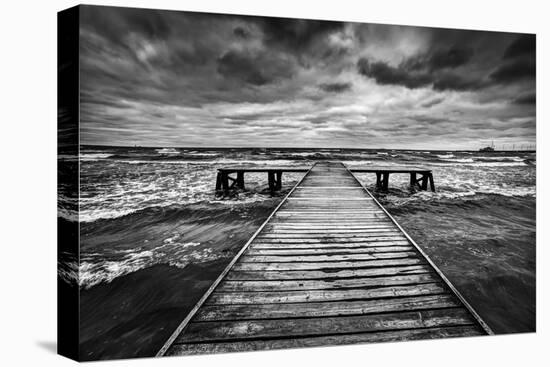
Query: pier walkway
pixel 329 266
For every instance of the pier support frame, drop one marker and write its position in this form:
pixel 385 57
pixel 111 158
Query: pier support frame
pixel 223 178
pixel 274 179
pixel 422 183
pixel 225 181
pixel 382 180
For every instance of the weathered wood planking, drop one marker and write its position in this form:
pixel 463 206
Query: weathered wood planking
pixel 329 266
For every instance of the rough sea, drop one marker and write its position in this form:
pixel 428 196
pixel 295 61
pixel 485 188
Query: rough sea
pixel 153 235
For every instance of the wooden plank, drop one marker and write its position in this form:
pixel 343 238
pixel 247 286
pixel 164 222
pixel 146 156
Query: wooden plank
pixel 363 235
pixel 335 240
pixel 342 246
pixel 323 309
pixel 327 265
pixel 334 213
pixel 319 274
pixel 227 330
pixel 283 251
pixel 244 298
pixel 256 168
pixel 327 227
pixel 329 199
pixel 324 258
pixel 339 339
pixel 314 189
pixel 323 231
pixel 303 285
pixel 390 169
pixel 327 223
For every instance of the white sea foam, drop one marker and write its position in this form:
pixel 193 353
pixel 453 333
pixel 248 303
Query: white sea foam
pixel 487 158
pixel 95 269
pixel 167 151
pixel 473 163
pixel 67 157
pixel 67 214
pixel 94 156
pixel 460 160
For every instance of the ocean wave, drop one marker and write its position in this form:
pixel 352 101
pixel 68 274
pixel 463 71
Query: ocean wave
pixel 95 269
pixel 67 157
pixel 94 156
pixel 443 156
pixel 467 162
pixel 460 160
pixel 487 158
pixel 351 164
pixel 202 154
pixel 67 268
pixel 67 214
pixel 399 199
pixel 167 151
pixel 162 188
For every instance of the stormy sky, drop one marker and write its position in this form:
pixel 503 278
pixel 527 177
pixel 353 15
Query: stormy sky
pixel 164 78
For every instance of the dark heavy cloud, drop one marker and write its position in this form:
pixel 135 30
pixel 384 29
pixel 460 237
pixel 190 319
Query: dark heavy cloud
pixel 335 87
pixel 524 45
pixel 440 59
pixel 526 99
pixel 167 78
pixel 414 74
pixel 256 69
pixel 295 34
pixel 449 69
pixel 517 70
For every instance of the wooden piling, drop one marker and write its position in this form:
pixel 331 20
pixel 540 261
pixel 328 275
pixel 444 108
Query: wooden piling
pixel 240 180
pixel 225 181
pixel 425 182
pixel 432 186
pixel 385 181
pixel 219 181
pixel 413 179
pixel 271 180
pixel 279 176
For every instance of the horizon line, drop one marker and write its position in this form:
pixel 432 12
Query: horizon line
pixel 259 147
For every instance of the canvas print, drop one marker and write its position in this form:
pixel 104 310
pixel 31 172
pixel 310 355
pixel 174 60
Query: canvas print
pixel 233 183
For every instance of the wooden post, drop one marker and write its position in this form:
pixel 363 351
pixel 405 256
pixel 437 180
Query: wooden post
pixel 432 182
pixel 378 181
pixel 424 181
pixel 413 179
pixel 386 180
pixel 279 183
pixel 271 180
pixel 225 182
pixel 218 181
pixel 240 180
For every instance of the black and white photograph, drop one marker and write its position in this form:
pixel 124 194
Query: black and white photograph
pixel 234 183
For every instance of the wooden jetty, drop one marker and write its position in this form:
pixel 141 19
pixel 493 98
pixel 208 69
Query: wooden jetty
pixel 274 176
pixel 383 175
pixel 420 177
pixel 329 266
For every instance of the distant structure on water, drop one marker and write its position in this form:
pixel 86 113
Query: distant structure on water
pixel 488 149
